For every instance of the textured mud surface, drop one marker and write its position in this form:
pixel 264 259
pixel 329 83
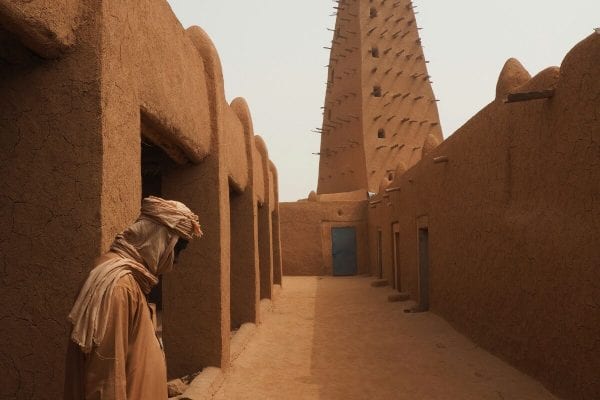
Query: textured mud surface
pixel 339 338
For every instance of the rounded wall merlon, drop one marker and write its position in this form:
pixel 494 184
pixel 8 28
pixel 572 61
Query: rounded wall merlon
pixel 213 73
pixel 512 76
pixel 240 107
pixel 263 183
pixel 258 173
pixel 274 186
pixel 275 177
pixel 233 150
pixel 546 79
pixel 583 57
pixel 271 192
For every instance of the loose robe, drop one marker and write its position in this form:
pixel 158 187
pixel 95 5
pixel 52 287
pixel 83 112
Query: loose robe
pixel 129 364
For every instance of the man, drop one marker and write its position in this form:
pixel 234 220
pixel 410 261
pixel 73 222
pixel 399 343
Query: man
pixel 114 353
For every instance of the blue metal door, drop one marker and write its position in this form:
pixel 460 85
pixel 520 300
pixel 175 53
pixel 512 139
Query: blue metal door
pixel 343 247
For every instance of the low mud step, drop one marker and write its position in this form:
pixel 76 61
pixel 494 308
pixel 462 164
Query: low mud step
pixel 379 283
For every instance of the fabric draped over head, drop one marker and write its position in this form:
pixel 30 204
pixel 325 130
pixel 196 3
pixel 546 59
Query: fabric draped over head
pixel 144 250
pixel 172 214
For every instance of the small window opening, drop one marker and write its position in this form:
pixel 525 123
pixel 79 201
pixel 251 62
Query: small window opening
pixel 381 134
pixel 376 91
pixel 373 12
pixel 375 52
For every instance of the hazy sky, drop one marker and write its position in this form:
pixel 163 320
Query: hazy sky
pixel 272 55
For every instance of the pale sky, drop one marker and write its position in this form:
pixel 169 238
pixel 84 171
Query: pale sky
pixel 272 55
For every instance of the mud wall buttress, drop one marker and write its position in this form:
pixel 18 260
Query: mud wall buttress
pixel 197 320
pixel 277 261
pixel 265 223
pixel 50 155
pixel 196 294
pixel 245 267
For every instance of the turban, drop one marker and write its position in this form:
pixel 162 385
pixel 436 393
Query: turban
pixel 172 214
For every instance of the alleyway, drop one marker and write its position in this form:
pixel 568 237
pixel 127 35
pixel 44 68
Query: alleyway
pixel 338 338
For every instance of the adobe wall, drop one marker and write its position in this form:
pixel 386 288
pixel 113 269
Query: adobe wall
pixel 306 235
pixel 513 220
pixel 50 227
pixel 72 130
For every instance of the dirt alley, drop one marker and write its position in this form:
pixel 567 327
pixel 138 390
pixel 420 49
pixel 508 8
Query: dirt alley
pixel 339 338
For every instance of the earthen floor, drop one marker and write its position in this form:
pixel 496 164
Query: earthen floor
pixel 339 338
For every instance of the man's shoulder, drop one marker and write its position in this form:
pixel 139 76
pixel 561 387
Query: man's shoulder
pixel 128 286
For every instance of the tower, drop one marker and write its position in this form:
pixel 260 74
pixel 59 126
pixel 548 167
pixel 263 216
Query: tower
pixel 379 110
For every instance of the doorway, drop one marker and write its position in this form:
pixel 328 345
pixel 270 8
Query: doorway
pixel 423 269
pixel 396 284
pixel 343 248
pixel 379 254
pixel 154 162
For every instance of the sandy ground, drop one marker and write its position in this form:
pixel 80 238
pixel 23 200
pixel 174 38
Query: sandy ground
pixel 339 338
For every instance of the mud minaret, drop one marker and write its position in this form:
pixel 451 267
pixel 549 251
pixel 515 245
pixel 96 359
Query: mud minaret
pixel 379 106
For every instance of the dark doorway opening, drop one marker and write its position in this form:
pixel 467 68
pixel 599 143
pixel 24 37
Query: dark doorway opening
pixel 343 249
pixel 236 322
pixel 265 252
pixel 423 269
pixel 154 164
pixel 396 284
pixel 379 254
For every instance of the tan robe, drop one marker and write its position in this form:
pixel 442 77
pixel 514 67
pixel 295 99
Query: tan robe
pixel 129 364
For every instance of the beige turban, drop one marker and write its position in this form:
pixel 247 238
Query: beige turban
pixel 172 214
pixel 145 250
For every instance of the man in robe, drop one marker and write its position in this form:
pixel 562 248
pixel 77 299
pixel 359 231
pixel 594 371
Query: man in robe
pixel 114 353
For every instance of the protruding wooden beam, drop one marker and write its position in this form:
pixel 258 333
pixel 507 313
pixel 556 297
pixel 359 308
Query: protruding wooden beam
pixel 527 96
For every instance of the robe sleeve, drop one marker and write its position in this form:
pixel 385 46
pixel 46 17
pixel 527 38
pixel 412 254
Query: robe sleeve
pixel 106 373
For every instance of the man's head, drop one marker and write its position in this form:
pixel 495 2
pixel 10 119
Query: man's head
pixel 161 232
